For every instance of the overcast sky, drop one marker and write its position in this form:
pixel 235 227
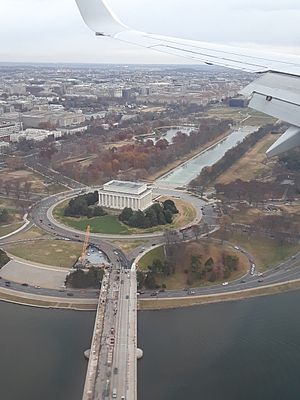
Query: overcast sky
pixel 53 31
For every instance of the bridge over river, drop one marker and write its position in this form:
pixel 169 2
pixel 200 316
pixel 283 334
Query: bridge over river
pixel 112 368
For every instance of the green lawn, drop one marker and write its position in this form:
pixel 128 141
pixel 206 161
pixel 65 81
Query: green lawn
pixel 108 224
pixel 156 254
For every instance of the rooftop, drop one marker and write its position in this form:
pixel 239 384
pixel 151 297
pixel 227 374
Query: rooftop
pixel 125 187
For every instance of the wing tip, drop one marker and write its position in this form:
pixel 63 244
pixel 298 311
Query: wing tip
pixel 98 16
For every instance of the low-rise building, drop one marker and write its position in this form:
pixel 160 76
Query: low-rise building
pixel 37 135
pixel 34 119
pixel 121 194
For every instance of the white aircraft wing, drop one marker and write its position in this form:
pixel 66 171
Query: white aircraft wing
pixel 276 92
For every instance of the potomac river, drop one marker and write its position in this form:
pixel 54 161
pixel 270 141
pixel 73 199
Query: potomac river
pixel 246 350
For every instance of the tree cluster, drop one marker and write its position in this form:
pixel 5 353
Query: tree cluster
pixel 282 227
pixel 157 269
pixel 16 187
pixel 256 191
pixel 83 206
pixel 210 270
pixel 155 215
pixel 4 216
pixel 132 161
pixel 82 280
pixel 199 264
pixel 4 259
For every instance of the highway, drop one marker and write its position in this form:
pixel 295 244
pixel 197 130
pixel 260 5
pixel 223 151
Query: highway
pixel 285 272
pixel 42 217
pixel 113 357
pixel 112 364
pixel 32 162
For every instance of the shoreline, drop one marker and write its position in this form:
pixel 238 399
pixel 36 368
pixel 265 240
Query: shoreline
pixel 191 301
pixel 45 302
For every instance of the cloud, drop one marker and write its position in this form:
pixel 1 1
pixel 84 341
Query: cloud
pixel 266 5
pixel 52 30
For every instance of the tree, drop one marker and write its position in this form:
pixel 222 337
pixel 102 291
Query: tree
pixel 84 279
pixel 99 212
pixel 161 218
pixel 26 188
pixel 168 216
pixel 126 214
pixel 150 282
pixel 209 262
pixel 195 263
pixel 231 262
pixel 17 187
pixel 7 187
pixel 4 259
pixel 152 216
pixel 4 216
pixel 140 275
pixel 170 205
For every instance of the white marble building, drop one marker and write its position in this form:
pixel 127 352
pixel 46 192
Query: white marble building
pixel 121 194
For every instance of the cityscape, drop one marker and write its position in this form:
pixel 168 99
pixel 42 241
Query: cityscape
pixel 150 222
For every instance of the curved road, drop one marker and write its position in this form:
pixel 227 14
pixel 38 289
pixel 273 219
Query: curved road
pixel 41 215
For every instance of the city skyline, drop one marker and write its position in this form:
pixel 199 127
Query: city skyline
pixel 53 31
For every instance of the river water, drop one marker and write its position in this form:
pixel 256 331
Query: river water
pixel 41 354
pixel 169 134
pixel 186 172
pixel 243 350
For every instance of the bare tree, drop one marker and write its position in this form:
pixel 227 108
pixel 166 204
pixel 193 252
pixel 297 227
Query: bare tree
pixel 7 187
pixel 26 188
pixel 17 187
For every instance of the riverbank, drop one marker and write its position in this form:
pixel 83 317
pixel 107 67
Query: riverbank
pixel 168 168
pixel 173 303
pixel 47 302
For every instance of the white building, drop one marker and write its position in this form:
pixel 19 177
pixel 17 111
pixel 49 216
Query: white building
pixel 121 194
pixel 37 135
pixel 61 119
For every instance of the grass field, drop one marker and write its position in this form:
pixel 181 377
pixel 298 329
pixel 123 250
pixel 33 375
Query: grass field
pixel 5 230
pixel 179 279
pixel 39 185
pixel 245 116
pixel 58 253
pixel 266 252
pixel 109 224
pixel 32 233
pixel 155 254
pixel 253 165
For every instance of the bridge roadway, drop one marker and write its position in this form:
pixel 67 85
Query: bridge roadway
pixel 112 365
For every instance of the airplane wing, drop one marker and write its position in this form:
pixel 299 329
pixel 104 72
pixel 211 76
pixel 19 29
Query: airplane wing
pixel 276 92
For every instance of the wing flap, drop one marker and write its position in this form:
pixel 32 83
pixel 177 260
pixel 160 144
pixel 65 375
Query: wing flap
pixel 288 141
